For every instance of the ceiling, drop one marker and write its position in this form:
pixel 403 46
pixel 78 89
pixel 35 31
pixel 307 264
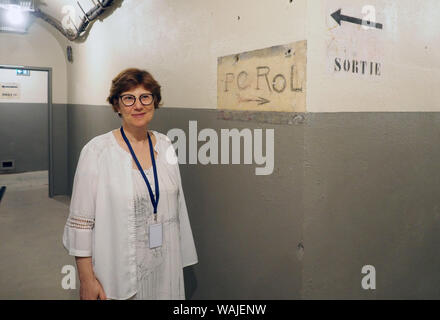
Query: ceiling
pixel 65 15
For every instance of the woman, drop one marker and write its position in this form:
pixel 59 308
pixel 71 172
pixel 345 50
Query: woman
pixel 128 224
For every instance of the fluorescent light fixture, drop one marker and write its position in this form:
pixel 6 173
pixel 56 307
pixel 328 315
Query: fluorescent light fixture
pixel 24 5
pixel 15 15
pixel 23 72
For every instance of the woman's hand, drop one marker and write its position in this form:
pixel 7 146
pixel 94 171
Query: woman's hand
pixel 91 290
pixel 90 287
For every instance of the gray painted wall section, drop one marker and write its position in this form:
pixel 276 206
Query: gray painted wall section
pixel 24 135
pixel 352 188
pixel 246 227
pixel 60 150
pixel 84 123
pixel 24 138
pixel 371 197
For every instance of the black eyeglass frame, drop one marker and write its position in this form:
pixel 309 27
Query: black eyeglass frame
pixel 135 98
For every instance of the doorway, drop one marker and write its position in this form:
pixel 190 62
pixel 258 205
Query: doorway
pixel 31 159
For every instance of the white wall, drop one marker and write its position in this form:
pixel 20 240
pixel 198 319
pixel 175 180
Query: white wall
pixel 33 88
pixel 179 42
pixel 38 48
pixel 408 48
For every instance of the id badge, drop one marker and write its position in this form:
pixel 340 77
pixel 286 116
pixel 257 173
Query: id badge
pixel 155 235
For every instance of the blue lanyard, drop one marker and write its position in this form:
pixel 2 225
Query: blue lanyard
pixel 154 201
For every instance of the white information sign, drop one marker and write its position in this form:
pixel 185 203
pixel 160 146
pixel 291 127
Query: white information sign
pixel 9 91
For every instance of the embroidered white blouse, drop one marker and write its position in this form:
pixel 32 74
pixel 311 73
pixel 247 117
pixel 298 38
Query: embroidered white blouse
pixel 99 223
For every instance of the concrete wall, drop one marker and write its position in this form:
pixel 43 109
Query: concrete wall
pixel 371 197
pixel 336 201
pixel 408 49
pixel 348 189
pixel 179 42
pixel 246 230
pixel 61 150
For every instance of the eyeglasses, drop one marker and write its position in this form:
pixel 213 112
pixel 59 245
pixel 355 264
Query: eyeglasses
pixel 129 100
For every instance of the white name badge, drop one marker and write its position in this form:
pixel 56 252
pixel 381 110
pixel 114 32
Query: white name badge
pixel 155 235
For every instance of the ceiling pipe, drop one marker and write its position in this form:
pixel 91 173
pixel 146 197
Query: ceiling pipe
pixel 88 17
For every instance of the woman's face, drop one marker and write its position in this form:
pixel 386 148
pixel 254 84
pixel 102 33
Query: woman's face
pixel 138 114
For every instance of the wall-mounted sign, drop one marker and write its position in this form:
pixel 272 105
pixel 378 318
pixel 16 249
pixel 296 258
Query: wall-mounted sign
pixel 23 72
pixel 9 91
pixel 270 79
pixel 355 40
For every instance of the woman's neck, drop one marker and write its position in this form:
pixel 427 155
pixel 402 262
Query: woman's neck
pixel 135 134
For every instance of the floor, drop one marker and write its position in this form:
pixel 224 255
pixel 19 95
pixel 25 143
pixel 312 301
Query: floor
pixel 31 249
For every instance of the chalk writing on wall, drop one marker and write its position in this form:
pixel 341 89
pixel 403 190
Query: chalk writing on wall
pixel 270 79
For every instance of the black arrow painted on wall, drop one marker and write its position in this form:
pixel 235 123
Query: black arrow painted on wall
pixel 260 100
pixel 340 17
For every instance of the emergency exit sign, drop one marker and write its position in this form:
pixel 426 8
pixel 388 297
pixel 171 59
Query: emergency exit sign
pixel 23 72
pixel 270 79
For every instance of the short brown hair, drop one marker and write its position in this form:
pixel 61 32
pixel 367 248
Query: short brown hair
pixel 129 79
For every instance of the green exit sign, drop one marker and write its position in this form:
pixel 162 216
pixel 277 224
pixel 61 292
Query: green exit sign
pixel 23 72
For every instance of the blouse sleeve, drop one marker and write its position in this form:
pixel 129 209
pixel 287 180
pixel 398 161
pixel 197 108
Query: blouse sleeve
pixel 78 231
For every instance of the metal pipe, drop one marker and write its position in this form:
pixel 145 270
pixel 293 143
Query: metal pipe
pixel 88 17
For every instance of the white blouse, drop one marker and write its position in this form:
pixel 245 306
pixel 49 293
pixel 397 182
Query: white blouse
pixel 102 221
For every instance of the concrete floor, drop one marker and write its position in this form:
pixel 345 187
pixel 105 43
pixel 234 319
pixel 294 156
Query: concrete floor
pixel 31 249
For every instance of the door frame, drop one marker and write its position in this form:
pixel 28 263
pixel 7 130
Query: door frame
pixel 49 115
